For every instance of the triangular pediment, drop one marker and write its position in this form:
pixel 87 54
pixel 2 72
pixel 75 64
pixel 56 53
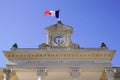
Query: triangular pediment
pixel 59 27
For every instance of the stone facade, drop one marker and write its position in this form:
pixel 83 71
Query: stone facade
pixel 59 58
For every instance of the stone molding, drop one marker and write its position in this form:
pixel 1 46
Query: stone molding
pixel 53 55
pixel 59 27
pixel 70 46
pixel 22 62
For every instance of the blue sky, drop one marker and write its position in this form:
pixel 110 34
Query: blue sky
pixel 94 21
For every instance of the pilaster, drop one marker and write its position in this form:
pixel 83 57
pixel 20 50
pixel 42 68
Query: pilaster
pixel 41 74
pixel 13 75
pixel 75 73
pixel 110 73
pixel 7 73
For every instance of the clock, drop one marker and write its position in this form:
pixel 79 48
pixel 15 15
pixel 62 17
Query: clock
pixel 58 40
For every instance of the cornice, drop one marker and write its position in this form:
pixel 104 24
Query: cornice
pixel 60 50
pixel 41 56
pixel 57 54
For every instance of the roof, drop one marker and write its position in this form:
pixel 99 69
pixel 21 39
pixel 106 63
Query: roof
pixel 59 27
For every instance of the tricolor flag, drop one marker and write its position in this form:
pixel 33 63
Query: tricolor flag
pixel 52 13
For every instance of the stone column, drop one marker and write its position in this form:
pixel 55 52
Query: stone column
pixel 110 73
pixel 75 73
pixel 41 74
pixel 7 73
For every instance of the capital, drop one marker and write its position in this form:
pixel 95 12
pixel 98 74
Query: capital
pixel 110 70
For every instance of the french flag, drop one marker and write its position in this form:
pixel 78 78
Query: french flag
pixel 52 13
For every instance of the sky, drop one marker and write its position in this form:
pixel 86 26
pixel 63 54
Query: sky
pixel 93 21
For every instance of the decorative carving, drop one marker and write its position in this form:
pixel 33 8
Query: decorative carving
pixel 59 27
pixel 109 70
pixel 13 75
pixel 73 45
pixel 117 72
pixel 110 73
pixel 8 73
pixel 117 75
pixel 43 46
pixel 103 45
pixel 46 46
pixel 59 56
pixel 52 62
pixel 75 73
pixel 41 74
pixel 14 46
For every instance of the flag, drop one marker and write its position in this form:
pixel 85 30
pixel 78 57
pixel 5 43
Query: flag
pixel 52 13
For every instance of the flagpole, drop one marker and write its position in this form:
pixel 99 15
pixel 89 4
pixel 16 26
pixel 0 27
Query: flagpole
pixel 58 19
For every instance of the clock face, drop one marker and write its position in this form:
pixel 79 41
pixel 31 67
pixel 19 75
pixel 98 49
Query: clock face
pixel 58 40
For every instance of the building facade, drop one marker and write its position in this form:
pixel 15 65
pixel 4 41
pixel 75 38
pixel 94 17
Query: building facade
pixel 59 59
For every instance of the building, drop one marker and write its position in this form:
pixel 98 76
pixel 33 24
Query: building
pixel 59 59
